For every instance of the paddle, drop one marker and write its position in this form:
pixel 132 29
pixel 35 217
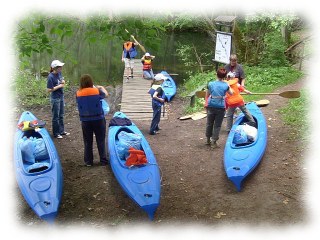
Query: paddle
pixel 142 47
pixel 285 94
pixel 262 102
pixel 194 116
pixel 173 74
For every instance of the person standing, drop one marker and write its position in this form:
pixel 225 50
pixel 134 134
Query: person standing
pixel 55 85
pixel 216 106
pixel 236 100
pixel 128 54
pixel 235 69
pixel 147 66
pixel 92 118
pixel 158 99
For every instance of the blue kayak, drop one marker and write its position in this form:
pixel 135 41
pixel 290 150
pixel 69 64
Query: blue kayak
pixel 241 159
pixel 169 86
pixel 141 182
pixel 41 181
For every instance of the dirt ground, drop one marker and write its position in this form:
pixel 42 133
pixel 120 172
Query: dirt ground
pixel 195 189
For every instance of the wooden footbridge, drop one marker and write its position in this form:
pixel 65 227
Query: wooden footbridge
pixel 136 101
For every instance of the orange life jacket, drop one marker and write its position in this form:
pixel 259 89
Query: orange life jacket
pixel 136 157
pixel 127 45
pixel 147 64
pixel 128 48
pixel 234 100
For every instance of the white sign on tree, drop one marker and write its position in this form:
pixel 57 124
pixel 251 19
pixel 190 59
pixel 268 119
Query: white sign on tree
pixel 223 47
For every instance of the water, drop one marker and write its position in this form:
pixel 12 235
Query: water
pixel 103 60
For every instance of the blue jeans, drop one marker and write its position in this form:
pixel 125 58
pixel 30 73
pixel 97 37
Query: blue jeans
pixel 57 109
pixel 156 118
pixel 148 74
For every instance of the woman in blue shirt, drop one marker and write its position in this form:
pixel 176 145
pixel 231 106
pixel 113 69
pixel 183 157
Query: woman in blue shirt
pixel 55 85
pixel 216 106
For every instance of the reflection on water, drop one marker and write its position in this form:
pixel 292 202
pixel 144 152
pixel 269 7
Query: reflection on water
pixel 103 60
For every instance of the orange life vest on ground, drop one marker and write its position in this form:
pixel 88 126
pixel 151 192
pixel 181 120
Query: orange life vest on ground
pixel 234 100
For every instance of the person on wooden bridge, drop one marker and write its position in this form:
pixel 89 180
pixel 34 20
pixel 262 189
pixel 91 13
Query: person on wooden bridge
pixel 147 66
pixel 128 54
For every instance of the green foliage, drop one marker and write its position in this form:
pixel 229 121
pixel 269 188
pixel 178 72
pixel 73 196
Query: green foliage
pixel 270 77
pixel 190 56
pixel 29 91
pixel 296 116
pixel 273 20
pixel 33 38
pixel 258 79
pixel 273 52
pixel 183 21
pixel 42 34
pixel 261 41
pixel 196 81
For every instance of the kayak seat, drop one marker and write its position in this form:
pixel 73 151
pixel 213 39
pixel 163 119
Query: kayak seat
pixel 243 144
pixel 38 167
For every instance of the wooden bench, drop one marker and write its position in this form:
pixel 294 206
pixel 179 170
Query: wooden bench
pixel 192 95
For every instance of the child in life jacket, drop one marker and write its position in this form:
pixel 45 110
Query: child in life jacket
pixel 236 101
pixel 147 66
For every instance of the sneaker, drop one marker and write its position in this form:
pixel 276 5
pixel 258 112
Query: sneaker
pixel 59 136
pixel 65 133
pixel 214 145
pixel 208 141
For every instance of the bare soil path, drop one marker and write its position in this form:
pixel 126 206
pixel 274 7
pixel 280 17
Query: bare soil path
pixel 195 188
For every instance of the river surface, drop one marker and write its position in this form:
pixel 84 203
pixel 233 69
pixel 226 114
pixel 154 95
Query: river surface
pixel 103 60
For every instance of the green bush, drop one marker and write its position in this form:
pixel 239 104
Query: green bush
pixel 29 91
pixel 273 52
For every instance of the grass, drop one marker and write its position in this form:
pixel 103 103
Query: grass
pixel 296 116
pixel 30 91
pixel 258 79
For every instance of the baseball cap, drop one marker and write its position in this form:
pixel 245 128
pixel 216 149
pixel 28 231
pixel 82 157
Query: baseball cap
pixel 147 54
pixel 56 63
pixel 160 77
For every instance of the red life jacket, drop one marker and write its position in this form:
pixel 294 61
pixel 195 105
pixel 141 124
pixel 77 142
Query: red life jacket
pixel 147 64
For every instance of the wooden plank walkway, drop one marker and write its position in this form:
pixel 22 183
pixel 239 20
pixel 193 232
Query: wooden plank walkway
pixel 136 101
